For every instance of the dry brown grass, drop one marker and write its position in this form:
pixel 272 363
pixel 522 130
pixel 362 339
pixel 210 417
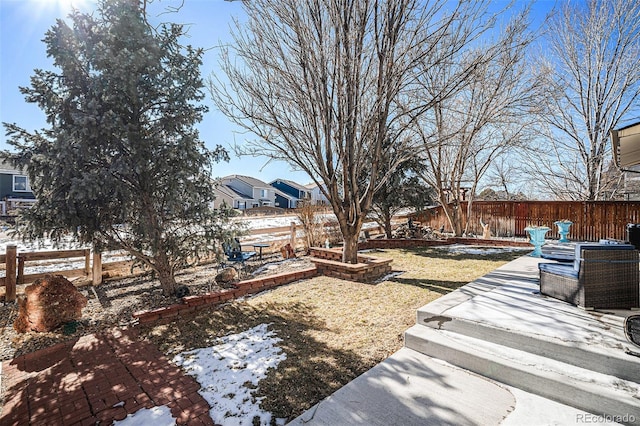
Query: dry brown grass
pixel 332 330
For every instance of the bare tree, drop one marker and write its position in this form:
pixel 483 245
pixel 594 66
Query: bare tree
pixel 486 116
pixel 504 175
pixel 594 73
pixel 322 82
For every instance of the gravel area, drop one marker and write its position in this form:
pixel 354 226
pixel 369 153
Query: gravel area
pixel 112 303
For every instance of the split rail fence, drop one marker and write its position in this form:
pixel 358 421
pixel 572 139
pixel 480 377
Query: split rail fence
pixel 16 263
pixel 94 268
pixel 592 220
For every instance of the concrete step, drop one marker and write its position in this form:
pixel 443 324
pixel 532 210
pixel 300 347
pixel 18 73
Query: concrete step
pixel 622 361
pixel 565 383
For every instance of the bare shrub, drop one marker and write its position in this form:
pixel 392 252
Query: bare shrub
pixel 332 232
pixel 309 216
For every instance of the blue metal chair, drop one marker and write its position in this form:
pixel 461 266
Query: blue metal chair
pixel 235 255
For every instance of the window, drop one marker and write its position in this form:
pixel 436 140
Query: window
pixel 264 193
pixel 21 184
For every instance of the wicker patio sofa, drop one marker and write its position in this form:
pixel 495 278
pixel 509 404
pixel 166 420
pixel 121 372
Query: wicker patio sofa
pixel 601 276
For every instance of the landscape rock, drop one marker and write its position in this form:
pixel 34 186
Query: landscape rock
pixel 47 304
pixel 226 277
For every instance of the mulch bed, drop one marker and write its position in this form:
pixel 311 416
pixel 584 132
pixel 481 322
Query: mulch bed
pixel 112 303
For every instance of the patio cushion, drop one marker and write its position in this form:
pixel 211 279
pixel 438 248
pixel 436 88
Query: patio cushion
pixel 558 269
pixel 594 246
pixel 558 256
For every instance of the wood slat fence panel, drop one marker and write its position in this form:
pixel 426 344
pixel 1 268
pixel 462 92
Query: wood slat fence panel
pixel 592 220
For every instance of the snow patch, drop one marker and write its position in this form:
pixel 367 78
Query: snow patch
pixel 389 276
pixel 477 250
pixel 155 416
pixel 229 371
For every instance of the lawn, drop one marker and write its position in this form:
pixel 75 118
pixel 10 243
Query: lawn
pixel 331 330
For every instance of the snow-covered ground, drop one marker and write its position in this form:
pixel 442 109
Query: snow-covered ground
pixel 227 373
pixel 479 250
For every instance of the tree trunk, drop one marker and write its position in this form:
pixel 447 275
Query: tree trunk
pixel 350 250
pixel 165 275
pixel 452 211
pixel 387 226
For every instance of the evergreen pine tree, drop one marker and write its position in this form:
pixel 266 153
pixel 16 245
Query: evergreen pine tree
pixel 120 164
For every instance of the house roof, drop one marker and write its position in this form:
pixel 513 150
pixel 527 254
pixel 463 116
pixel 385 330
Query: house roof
pixel 7 168
pixel 626 145
pixel 237 193
pixel 285 195
pixel 256 183
pixel 311 185
pixel 291 184
pixel 230 192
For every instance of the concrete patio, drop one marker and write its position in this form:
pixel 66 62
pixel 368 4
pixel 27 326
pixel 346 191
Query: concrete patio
pixel 493 352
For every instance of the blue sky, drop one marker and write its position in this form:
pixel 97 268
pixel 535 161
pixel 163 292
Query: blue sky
pixel 23 24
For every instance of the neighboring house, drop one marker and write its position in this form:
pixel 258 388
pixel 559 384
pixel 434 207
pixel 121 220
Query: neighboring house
pixel 228 197
pixel 290 193
pixel 285 201
pixel 316 196
pixel 248 192
pixel 15 189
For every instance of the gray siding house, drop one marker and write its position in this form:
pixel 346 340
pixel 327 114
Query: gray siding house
pixel 248 192
pixel 317 197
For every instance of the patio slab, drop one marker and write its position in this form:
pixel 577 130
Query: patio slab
pixel 502 315
pixel 412 389
pixel 508 298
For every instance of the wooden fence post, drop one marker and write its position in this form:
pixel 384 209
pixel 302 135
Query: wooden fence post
pixel 10 280
pixel 87 262
pixel 97 268
pixel 20 273
pixel 293 236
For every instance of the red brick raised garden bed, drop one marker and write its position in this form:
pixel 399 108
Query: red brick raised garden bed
pixel 191 304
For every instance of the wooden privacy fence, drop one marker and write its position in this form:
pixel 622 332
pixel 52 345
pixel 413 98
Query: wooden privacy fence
pixel 592 220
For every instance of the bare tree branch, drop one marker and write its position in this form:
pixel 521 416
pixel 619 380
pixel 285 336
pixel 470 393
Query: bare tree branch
pixel 594 83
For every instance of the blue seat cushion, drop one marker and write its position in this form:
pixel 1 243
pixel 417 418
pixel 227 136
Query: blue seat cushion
pixel 558 269
pixel 560 257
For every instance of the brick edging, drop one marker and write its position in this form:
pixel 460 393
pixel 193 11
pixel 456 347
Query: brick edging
pixel 191 304
pixel 385 243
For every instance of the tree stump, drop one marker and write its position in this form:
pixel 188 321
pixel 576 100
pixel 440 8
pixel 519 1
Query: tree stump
pixel 287 252
pixel 486 232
